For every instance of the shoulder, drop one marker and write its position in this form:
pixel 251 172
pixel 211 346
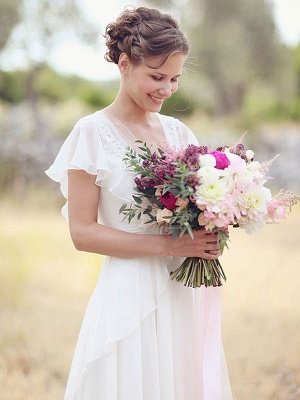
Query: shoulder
pixel 180 129
pixel 97 130
pixel 94 125
pixel 172 121
pixel 89 120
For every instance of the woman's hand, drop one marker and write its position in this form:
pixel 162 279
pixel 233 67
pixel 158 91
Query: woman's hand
pixel 204 245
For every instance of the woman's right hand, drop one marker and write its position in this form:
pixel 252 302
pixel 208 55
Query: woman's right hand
pixel 204 245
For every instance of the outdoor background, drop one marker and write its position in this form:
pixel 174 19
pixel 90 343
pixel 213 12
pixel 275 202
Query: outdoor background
pixel 243 74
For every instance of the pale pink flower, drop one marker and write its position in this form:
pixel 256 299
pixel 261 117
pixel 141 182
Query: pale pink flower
pixel 173 154
pixel 162 214
pixel 276 210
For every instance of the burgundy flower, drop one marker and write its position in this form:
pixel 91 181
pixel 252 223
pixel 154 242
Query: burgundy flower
pixel 192 181
pixel 191 156
pixel 222 160
pixel 239 150
pixel 168 200
pixel 163 169
pixel 144 183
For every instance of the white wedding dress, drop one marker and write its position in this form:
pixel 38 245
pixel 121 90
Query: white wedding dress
pixel 143 336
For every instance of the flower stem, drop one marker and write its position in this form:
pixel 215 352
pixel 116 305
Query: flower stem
pixel 195 272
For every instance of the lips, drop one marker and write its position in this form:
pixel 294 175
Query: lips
pixel 156 100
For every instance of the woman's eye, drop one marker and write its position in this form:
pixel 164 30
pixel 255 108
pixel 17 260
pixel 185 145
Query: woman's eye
pixel 157 78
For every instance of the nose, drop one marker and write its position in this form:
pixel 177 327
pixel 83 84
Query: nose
pixel 165 90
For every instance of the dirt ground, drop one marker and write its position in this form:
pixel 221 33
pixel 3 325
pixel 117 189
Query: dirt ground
pixel 45 285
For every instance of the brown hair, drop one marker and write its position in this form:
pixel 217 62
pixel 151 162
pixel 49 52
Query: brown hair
pixel 144 32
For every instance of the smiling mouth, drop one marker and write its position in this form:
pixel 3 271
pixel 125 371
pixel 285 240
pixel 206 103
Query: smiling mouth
pixel 156 100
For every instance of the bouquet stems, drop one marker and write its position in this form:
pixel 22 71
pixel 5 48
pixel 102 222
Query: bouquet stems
pixel 195 272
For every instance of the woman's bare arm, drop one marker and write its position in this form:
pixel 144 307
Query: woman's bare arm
pixel 90 236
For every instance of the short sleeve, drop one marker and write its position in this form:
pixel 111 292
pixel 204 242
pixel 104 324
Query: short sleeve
pixel 82 150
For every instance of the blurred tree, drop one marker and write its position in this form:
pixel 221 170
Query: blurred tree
pixel 52 87
pixel 237 45
pixel 9 17
pixel 45 24
pixel 296 59
pixel 233 44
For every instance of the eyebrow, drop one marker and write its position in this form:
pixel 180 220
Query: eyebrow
pixel 176 76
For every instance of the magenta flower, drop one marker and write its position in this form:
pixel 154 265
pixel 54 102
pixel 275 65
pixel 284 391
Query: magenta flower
pixel 222 161
pixel 168 200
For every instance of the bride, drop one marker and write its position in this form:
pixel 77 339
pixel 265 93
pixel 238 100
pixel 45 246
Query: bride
pixel 144 336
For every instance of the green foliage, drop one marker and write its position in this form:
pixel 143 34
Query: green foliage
pixel 296 62
pixel 12 86
pixel 181 222
pixel 178 105
pixel 95 96
pixel 52 87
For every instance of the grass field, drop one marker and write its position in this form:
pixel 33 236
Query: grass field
pixel 45 285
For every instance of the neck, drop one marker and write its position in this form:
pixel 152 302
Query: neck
pixel 124 108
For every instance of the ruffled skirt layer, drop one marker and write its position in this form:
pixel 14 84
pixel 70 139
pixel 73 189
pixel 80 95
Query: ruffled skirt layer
pixel 146 337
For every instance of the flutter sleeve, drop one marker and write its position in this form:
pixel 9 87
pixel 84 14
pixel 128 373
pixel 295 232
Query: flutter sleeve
pixel 82 150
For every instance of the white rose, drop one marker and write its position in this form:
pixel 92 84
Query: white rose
pixel 161 214
pixel 208 174
pixel 207 160
pixel 249 154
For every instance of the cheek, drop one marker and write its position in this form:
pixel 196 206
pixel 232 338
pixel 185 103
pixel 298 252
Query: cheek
pixel 174 87
pixel 149 85
pixel 144 83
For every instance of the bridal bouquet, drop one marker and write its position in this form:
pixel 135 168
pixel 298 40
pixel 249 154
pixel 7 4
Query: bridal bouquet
pixel 180 191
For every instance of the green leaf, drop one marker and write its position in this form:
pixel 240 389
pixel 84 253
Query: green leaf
pixel 137 199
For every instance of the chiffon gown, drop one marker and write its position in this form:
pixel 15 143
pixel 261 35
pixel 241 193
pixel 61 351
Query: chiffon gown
pixel 143 335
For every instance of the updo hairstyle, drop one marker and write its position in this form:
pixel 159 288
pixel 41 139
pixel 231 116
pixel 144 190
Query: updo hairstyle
pixel 144 32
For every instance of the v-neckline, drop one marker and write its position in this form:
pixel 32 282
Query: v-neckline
pixel 113 120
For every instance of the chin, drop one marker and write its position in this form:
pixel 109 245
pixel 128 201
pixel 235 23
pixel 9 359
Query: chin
pixel 156 107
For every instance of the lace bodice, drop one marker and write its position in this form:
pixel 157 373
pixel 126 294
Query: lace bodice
pixel 96 146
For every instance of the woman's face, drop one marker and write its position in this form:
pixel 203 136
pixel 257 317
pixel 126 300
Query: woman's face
pixel 149 87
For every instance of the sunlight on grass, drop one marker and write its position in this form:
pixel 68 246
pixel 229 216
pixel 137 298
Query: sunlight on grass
pixel 30 239
pixel 45 286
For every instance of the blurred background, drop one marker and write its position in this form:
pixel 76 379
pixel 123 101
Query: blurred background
pixel 243 74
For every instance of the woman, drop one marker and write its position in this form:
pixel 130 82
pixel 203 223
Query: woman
pixel 144 336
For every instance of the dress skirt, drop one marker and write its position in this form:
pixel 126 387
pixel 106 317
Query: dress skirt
pixel 147 337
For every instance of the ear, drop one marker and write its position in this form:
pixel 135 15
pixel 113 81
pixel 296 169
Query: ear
pixel 123 63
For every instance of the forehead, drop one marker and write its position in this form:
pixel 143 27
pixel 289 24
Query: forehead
pixel 171 66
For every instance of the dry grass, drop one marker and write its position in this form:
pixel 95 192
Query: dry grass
pixel 45 285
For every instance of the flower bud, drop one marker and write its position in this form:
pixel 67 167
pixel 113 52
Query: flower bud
pixel 249 155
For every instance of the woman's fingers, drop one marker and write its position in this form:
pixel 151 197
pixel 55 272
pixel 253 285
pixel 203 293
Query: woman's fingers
pixel 205 245
pixel 209 256
pixel 212 247
pixel 212 251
